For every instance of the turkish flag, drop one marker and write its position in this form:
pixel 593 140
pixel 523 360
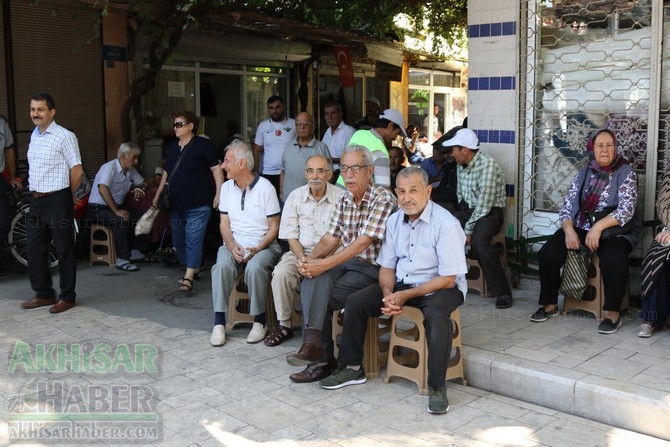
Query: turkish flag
pixel 344 65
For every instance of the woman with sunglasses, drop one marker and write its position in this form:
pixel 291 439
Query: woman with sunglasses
pixel 193 193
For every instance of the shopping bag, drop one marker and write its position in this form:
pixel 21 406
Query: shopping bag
pixel 575 274
pixel 146 222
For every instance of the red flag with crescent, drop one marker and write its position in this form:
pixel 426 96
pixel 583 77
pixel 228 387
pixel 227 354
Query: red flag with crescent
pixel 344 65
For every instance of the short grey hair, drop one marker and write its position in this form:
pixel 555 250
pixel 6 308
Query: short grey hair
pixel 414 170
pixel 128 148
pixel 323 157
pixel 356 148
pixel 242 151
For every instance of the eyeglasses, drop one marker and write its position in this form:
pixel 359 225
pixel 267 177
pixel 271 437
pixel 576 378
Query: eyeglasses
pixel 310 171
pixel 303 124
pixel 354 168
pixel 179 124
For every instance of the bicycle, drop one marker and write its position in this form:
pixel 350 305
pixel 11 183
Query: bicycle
pixel 17 238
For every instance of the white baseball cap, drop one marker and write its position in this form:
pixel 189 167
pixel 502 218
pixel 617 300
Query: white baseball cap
pixel 395 117
pixel 374 100
pixel 464 137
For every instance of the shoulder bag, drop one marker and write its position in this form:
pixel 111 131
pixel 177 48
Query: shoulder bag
pixel 616 230
pixel 163 202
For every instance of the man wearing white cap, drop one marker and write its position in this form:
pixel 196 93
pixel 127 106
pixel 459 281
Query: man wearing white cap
pixel 372 107
pixel 481 197
pixel 377 140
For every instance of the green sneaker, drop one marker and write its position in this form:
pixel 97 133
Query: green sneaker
pixel 437 400
pixel 342 377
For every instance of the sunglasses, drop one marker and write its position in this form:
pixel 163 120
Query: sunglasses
pixel 179 124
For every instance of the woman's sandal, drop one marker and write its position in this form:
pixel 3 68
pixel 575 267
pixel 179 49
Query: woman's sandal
pixel 186 285
pixel 278 336
pixel 196 276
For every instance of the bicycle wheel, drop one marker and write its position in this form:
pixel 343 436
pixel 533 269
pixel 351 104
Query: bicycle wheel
pixel 18 238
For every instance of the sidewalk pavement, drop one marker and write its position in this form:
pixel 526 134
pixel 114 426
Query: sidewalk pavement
pixel 239 394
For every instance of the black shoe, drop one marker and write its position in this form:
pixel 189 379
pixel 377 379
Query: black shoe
pixel 541 315
pixel 504 302
pixel 609 327
pixel 437 400
pixel 314 373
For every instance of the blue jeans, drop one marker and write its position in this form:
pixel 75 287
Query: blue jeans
pixel 188 234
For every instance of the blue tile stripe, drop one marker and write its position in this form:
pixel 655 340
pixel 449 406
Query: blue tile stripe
pixel 492 29
pixel 496 136
pixel 492 83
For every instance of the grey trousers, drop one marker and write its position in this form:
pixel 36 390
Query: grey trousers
pixel 327 292
pixel 256 276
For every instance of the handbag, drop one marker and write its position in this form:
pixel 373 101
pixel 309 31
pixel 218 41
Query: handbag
pixel 146 222
pixel 575 274
pixel 595 216
pixel 163 201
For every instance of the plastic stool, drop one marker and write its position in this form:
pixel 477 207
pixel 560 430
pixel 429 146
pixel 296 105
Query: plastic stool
pixel 375 351
pixel 414 366
pixel 475 275
pixel 239 305
pixel 594 296
pixel 102 246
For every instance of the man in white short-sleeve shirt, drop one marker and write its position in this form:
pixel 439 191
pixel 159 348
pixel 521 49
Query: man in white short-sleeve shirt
pixel 337 135
pixel 249 225
pixel 272 136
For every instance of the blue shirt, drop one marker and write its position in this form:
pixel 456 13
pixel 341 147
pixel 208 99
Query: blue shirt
pixel 119 183
pixel 433 245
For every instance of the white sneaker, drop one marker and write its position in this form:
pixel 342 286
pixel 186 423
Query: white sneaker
pixel 218 337
pixel 258 333
pixel 645 330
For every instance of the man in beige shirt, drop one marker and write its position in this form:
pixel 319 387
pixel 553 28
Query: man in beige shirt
pixel 305 218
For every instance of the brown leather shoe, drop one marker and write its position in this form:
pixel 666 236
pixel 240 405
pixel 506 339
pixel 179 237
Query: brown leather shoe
pixel 38 302
pixel 309 354
pixel 314 373
pixel 62 306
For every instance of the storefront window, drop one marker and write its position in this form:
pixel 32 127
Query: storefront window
pixel 436 103
pixel 230 99
pixel 175 91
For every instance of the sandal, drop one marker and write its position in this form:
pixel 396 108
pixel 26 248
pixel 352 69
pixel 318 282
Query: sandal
pixel 148 259
pixel 128 267
pixel 196 277
pixel 186 285
pixel 278 336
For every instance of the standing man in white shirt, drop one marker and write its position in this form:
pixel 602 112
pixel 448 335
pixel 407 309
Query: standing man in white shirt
pixel 272 136
pixel 55 173
pixel 337 135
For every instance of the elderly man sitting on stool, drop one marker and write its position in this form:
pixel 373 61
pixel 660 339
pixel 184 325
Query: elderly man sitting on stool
pixel 421 264
pixel 112 182
pixel 249 225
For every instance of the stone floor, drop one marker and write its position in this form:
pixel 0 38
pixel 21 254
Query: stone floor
pixel 240 395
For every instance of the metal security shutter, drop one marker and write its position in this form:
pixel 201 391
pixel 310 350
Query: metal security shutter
pixel 51 54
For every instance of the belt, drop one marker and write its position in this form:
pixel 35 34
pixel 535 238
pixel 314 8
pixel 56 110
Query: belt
pixel 39 195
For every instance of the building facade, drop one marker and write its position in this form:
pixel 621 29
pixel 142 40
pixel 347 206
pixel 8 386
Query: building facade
pixel 545 74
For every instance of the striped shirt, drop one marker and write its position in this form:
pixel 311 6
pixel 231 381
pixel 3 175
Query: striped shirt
pixel 51 155
pixel 305 219
pixel 367 219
